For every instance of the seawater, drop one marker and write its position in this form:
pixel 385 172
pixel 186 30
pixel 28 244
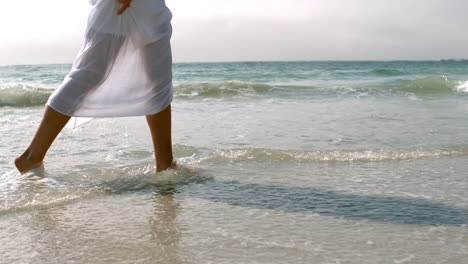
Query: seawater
pixel 294 162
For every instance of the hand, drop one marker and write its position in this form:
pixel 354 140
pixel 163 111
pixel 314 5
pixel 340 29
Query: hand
pixel 125 5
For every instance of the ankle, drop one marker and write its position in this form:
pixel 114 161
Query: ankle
pixel 32 156
pixel 164 165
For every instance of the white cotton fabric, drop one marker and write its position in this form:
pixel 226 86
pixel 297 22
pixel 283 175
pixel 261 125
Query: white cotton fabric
pixel 124 67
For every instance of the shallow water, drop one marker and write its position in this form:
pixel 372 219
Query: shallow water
pixel 295 163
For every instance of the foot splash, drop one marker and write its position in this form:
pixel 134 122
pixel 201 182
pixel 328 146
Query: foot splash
pixel 24 165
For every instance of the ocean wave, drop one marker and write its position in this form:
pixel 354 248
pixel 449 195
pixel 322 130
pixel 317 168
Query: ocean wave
pixel 221 89
pixel 42 189
pixel 277 155
pixel 432 85
pixel 20 95
pixel 194 155
pixel 23 95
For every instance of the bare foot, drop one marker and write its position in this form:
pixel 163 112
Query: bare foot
pixel 23 164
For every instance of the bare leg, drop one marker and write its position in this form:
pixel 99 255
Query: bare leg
pixel 89 69
pixel 160 126
pixel 51 125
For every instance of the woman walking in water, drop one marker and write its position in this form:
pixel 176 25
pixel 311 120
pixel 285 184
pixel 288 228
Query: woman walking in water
pixel 124 68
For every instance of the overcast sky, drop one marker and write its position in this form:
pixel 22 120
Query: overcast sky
pixel 51 31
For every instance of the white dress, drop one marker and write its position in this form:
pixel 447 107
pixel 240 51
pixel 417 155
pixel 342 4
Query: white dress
pixel 124 67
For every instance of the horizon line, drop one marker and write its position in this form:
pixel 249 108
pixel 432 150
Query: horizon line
pixel 253 61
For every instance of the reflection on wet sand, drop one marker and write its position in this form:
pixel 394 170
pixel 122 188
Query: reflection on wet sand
pixel 109 229
pixel 165 233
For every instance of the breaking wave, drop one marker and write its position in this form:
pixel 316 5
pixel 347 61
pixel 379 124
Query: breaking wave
pixel 221 89
pixel 25 96
pixel 434 85
pixel 226 89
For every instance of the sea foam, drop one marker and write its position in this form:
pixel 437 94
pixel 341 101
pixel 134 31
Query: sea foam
pixel 363 155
